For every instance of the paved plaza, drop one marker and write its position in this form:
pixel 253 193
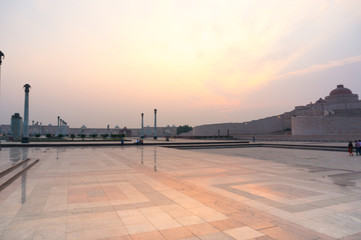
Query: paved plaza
pixel 153 192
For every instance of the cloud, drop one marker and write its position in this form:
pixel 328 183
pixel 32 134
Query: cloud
pixel 320 67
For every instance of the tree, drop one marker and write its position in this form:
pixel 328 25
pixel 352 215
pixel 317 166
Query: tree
pixel 82 136
pixel 72 137
pixel 94 135
pixel 183 129
pixel 60 136
pixel 105 136
pixel 37 135
pixel 48 135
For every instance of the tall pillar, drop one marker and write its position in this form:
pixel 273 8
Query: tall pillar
pixel 58 130
pixel 142 131
pixel 25 138
pixel 155 124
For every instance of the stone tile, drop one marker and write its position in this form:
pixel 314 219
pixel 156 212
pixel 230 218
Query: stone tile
pixel 33 222
pixel 92 221
pixel 202 229
pixel 190 220
pixel 190 238
pixel 243 233
pixel 161 223
pixel 337 225
pixel 226 224
pixel 50 232
pixel 114 193
pixel 282 234
pixel 103 233
pixel 127 206
pixel 208 214
pixel 140 228
pixel 258 221
pixel 267 238
pixel 282 194
pixel 130 217
pixel 176 233
pixel 222 207
pixel 176 211
pixel 216 236
pixel 23 234
pixel 154 235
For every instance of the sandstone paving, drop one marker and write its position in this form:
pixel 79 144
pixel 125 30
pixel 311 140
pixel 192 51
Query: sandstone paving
pixel 152 192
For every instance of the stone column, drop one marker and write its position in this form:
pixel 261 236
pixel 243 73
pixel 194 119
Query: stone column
pixel 142 131
pixel 155 124
pixel 25 138
pixel 58 130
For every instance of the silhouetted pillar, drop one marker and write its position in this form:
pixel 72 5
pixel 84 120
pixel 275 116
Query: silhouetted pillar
pixel 155 124
pixel 58 132
pixel 25 138
pixel 142 131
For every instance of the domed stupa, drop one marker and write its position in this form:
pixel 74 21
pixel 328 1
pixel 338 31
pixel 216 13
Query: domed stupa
pixel 341 94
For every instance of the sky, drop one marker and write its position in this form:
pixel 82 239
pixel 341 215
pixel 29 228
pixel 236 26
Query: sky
pixel 100 62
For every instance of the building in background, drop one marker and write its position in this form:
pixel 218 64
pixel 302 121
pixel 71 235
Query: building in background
pixel 37 128
pixel 16 127
pixel 337 113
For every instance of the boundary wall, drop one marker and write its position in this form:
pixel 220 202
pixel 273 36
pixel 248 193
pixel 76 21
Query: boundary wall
pixel 319 125
pixel 261 126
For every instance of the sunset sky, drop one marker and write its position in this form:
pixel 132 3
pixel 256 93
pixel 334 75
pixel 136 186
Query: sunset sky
pixel 100 62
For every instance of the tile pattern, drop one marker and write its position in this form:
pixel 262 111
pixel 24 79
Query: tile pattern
pixel 158 193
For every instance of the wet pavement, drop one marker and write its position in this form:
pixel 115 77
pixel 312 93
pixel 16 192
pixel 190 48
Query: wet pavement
pixel 152 192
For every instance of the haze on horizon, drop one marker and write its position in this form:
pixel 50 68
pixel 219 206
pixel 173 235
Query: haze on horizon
pixel 198 62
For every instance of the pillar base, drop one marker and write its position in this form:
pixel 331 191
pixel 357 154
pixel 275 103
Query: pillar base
pixel 25 140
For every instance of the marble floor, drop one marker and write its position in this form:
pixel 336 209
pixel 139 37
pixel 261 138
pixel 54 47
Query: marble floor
pixel 150 192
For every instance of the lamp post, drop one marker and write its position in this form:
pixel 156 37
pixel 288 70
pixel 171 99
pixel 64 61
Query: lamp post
pixel 25 138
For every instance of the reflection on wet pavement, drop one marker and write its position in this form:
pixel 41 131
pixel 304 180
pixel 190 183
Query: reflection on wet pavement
pixel 149 192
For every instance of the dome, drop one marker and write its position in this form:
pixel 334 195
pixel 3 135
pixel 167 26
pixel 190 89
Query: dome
pixel 340 90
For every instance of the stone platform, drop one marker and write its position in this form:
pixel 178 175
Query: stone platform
pixel 152 192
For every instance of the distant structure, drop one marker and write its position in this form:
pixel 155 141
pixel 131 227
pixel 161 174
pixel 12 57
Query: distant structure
pixel 2 56
pixel 62 127
pixel 337 113
pixel 16 126
pixel 155 124
pixel 39 128
pixel 25 138
pixel 142 126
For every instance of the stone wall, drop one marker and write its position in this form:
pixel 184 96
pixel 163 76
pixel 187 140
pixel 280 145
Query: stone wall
pixel 302 138
pixel 261 126
pixel 319 125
